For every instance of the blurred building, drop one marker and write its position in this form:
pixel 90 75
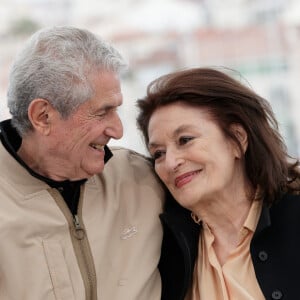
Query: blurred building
pixel 258 38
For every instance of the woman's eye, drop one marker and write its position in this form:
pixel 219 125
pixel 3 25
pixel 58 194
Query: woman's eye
pixel 157 154
pixel 184 139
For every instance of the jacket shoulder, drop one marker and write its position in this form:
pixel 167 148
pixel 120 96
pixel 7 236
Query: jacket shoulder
pixel 122 153
pixel 128 159
pixel 130 165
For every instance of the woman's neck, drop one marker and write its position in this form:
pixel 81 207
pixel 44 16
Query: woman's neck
pixel 225 216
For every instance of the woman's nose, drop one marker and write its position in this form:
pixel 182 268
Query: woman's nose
pixel 173 160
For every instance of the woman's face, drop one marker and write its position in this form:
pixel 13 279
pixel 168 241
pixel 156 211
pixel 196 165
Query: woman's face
pixel 192 156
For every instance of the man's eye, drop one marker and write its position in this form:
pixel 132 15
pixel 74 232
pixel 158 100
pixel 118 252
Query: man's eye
pixel 101 115
pixel 184 140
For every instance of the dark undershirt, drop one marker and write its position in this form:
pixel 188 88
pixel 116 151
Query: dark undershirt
pixel 70 190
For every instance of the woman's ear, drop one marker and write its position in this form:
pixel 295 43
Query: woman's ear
pixel 241 135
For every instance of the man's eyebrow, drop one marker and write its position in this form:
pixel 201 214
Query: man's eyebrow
pixel 106 108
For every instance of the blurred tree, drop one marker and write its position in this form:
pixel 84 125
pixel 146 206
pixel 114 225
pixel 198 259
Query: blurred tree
pixel 23 26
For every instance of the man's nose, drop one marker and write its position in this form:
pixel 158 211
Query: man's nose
pixel 115 127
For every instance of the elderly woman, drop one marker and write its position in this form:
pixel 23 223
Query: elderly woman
pixel 233 232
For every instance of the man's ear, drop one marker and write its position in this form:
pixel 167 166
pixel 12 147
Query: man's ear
pixel 241 134
pixel 39 113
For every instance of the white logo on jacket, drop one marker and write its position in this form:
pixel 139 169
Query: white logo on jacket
pixel 128 232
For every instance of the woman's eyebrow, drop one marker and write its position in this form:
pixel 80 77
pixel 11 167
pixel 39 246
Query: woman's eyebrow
pixel 175 134
pixel 182 129
pixel 152 146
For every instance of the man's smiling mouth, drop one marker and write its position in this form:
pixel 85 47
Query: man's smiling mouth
pixel 99 147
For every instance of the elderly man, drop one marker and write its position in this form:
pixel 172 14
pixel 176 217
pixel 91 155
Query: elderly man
pixel 70 229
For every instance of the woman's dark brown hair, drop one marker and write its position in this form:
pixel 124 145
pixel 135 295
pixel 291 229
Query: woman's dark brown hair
pixel 267 162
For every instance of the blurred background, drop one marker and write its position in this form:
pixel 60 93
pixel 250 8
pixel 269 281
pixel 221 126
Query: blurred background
pixel 258 38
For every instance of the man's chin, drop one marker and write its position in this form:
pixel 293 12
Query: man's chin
pixel 94 171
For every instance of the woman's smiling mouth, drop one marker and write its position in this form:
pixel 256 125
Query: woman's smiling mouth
pixel 185 178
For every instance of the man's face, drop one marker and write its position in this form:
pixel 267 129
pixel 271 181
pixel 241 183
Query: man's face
pixel 77 143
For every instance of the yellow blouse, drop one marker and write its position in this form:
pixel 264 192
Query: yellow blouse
pixel 236 279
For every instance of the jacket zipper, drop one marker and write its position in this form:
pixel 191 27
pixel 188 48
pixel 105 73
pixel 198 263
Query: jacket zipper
pixel 80 244
pixel 87 261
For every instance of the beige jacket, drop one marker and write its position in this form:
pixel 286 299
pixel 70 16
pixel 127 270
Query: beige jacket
pixel 110 251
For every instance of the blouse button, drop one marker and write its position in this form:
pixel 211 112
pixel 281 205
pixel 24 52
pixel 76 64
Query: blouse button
pixel 263 256
pixel 276 295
